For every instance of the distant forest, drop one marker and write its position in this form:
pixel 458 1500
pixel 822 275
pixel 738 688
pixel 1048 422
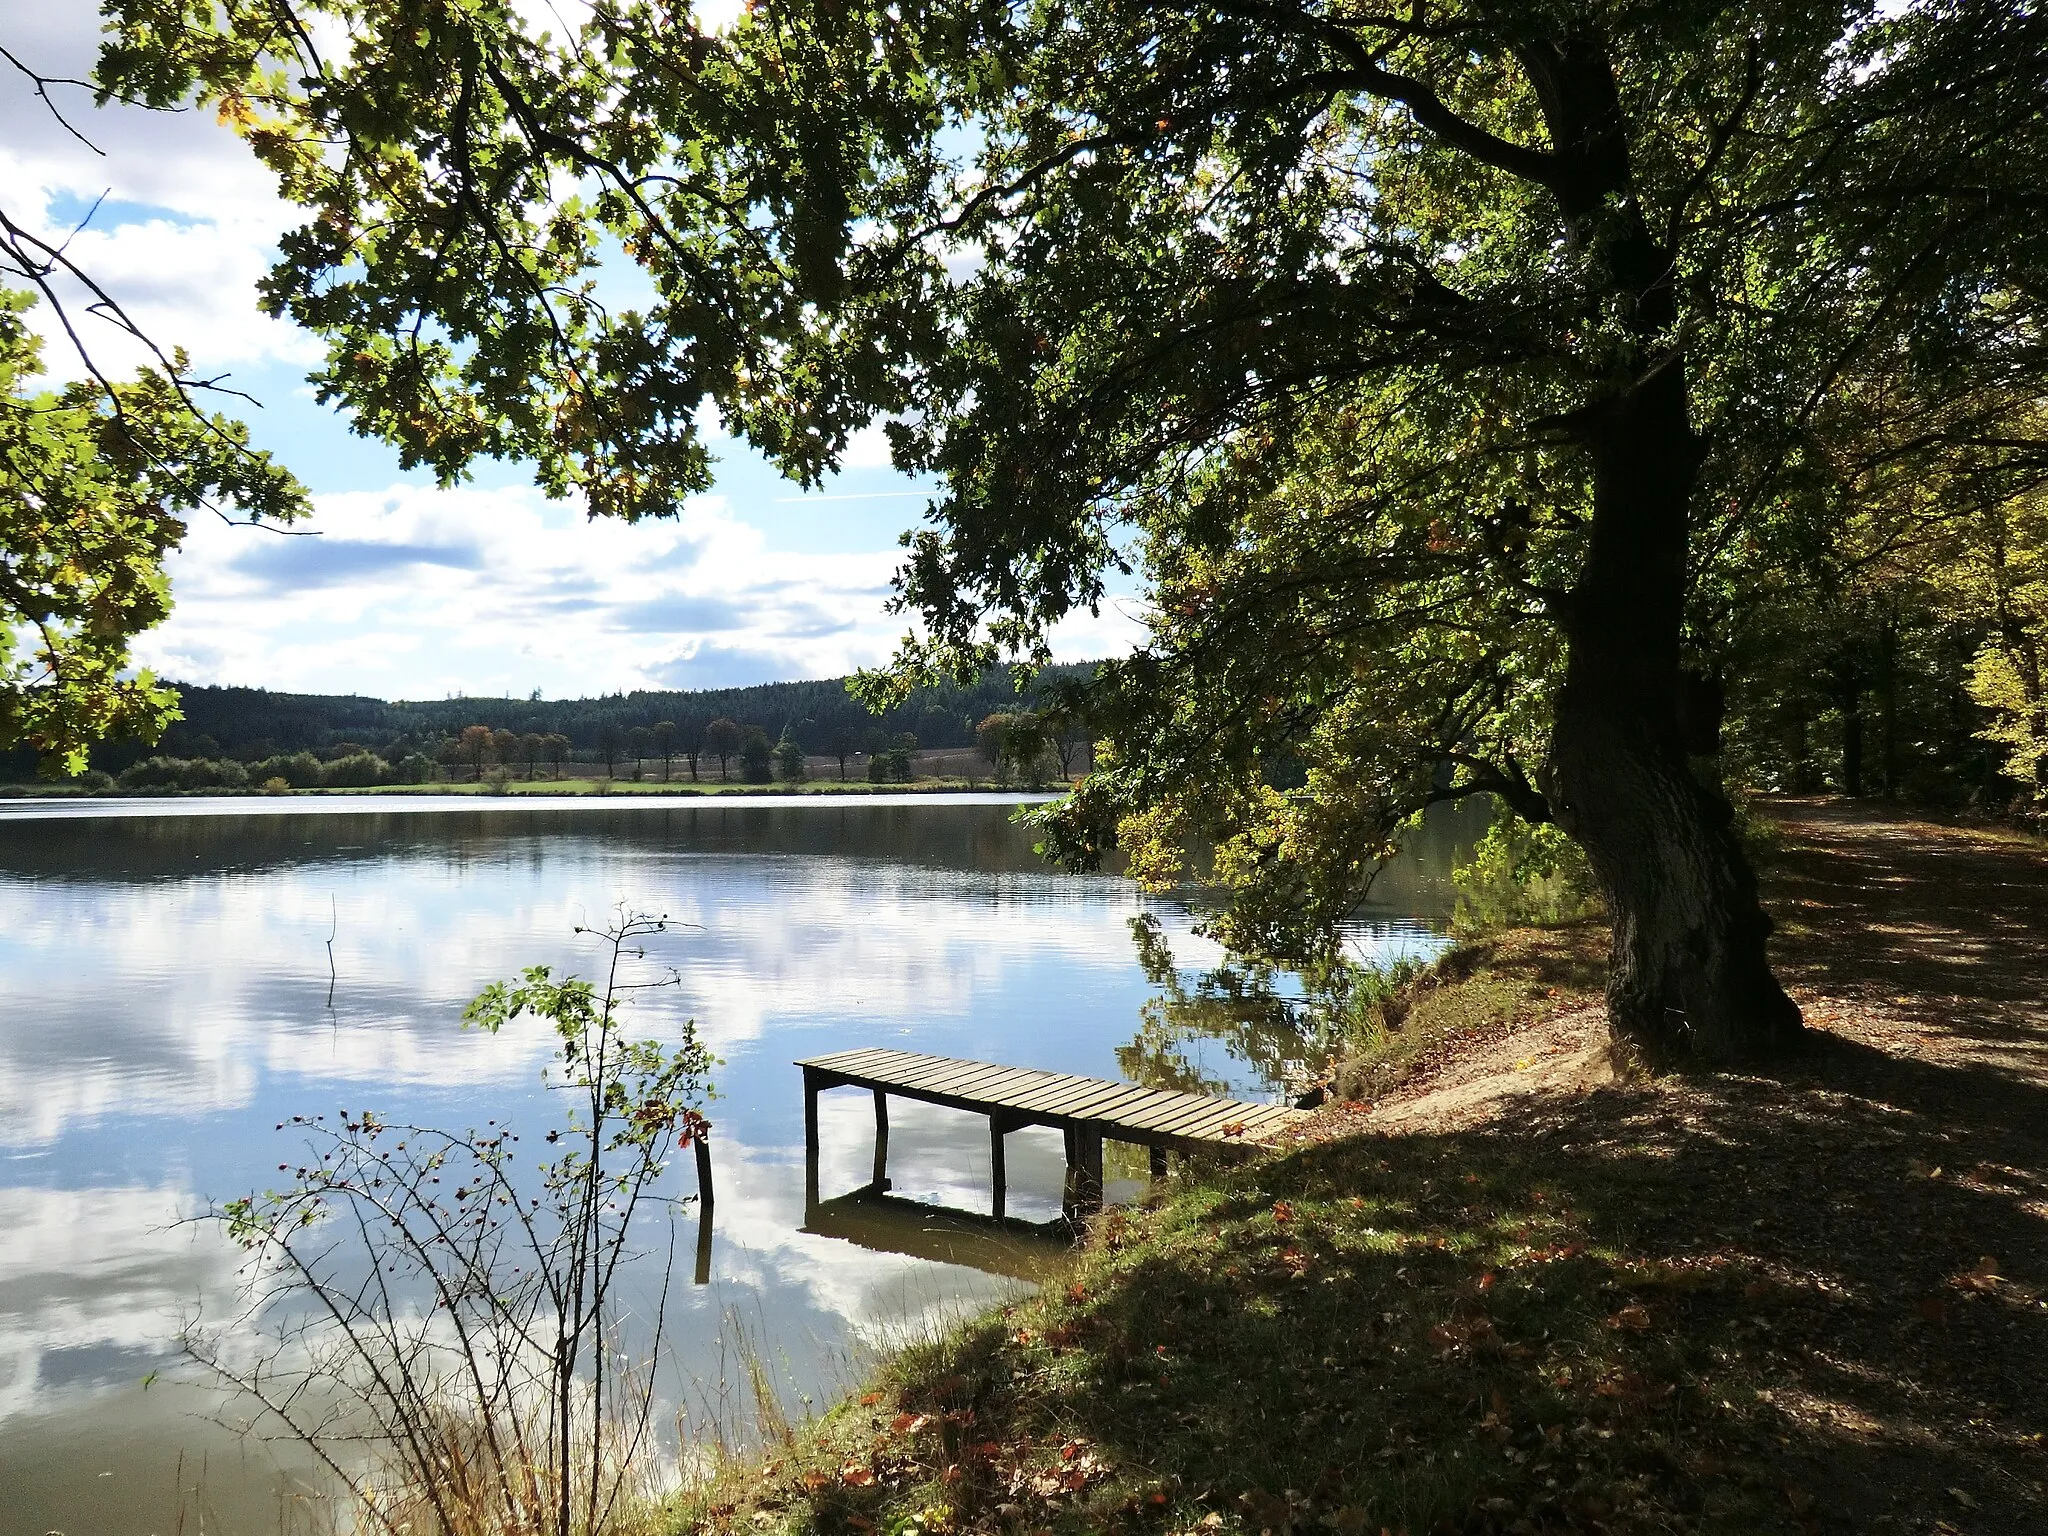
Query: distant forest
pixel 248 724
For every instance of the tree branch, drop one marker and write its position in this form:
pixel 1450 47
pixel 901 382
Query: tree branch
pixel 1428 108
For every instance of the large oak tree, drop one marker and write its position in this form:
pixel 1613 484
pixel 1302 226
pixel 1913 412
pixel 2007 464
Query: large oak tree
pixel 1442 364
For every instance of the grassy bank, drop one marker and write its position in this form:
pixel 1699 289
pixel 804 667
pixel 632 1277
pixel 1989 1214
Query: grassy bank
pixel 1358 1332
pixel 1414 1333
pixel 1482 991
pixel 1718 1305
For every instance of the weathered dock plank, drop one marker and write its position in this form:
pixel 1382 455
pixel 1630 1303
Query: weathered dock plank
pixel 1089 1110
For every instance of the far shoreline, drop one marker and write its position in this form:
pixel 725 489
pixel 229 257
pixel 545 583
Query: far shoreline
pixel 16 805
pixel 561 789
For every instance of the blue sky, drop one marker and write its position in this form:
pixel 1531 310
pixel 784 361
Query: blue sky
pixel 410 591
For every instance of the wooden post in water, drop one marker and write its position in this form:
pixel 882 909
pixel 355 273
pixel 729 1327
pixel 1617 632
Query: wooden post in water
pixel 881 1141
pixel 810 1141
pixel 1084 1173
pixel 999 1176
pixel 1070 1188
pixel 703 1274
pixel 1087 1170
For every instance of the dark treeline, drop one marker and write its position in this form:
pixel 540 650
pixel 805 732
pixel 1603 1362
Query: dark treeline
pixel 248 725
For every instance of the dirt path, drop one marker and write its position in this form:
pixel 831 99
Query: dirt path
pixel 1919 951
pixel 1890 1373
pixel 1935 935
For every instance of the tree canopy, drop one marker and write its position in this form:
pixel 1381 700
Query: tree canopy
pixel 1479 388
pixel 95 481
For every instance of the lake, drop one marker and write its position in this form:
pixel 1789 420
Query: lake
pixel 170 998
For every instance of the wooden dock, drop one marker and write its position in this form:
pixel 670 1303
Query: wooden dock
pixel 1089 1110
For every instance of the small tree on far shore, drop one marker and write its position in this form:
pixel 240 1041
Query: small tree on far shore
pixel 757 755
pixel 557 746
pixel 1069 740
pixel 992 736
pixel 722 739
pixel 665 745
pixel 1016 742
pixel 842 744
pixel 789 759
pixel 476 746
pixel 690 741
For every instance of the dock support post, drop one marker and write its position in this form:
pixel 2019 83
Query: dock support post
pixel 811 1086
pixel 1090 1182
pixel 1084 1172
pixel 999 1175
pixel 881 1141
pixel 1158 1161
pixel 1070 1185
pixel 703 1273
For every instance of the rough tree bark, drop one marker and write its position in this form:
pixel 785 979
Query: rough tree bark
pixel 1688 977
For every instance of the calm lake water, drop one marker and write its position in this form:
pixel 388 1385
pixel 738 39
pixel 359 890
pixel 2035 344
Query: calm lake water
pixel 168 1000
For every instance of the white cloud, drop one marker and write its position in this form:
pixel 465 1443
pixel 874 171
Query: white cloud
pixel 416 592
pixel 868 449
pixel 190 219
pixel 188 284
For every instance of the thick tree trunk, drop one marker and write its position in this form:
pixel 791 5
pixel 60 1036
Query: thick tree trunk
pixel 1688 978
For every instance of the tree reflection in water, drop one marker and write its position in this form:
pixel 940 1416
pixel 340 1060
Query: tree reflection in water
pixel 1285 1026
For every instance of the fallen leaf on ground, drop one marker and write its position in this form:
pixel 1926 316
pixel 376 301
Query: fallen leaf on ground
pixel 1984 1277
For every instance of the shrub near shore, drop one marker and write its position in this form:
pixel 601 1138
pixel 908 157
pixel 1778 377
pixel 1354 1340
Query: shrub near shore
pixel 298 770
